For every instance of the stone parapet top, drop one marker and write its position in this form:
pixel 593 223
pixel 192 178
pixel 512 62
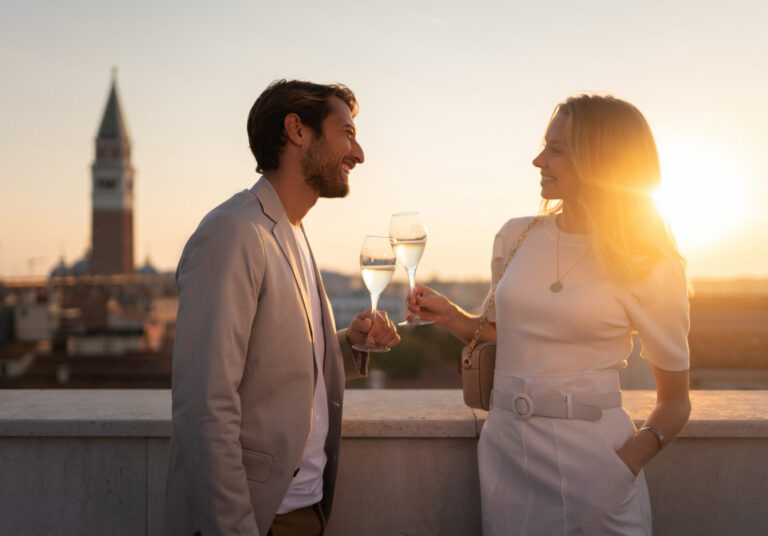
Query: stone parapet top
pixel 85 412
pixel 407 413
pixel 367 413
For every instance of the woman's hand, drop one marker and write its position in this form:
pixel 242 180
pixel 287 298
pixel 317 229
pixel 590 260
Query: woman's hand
pixel 430 305
pixel 673 407
pixel 628 460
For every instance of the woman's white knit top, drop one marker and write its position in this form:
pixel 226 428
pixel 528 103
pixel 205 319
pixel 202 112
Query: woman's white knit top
pixel 588 324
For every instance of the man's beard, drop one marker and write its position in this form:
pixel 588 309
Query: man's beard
pixel 322 174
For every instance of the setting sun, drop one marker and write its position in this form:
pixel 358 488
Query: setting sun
pixel 703 193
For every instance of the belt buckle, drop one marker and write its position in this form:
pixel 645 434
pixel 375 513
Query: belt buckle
pixel 522 405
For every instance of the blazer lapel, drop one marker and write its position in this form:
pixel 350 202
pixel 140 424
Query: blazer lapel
pixel 285 238
pixel 329 325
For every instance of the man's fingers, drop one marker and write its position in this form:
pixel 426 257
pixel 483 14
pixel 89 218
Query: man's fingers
pixel 371 324
pixel 360 323
pixel 392 340
pixel 377 329
pixel 382 330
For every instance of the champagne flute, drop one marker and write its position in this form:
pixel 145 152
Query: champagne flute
pixel 408 235
pixel 377 264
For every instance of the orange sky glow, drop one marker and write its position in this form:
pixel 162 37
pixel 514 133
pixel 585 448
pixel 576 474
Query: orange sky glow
pixel 453 104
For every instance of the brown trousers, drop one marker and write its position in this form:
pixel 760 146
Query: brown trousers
pixel 307 521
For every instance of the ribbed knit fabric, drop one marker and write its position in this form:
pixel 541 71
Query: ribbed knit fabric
pixel 588 324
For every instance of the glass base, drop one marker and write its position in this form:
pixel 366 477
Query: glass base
pixel 416 321
pixel 372 347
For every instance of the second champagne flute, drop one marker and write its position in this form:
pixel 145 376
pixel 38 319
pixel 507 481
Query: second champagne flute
pixel 377 264
pixel 408 235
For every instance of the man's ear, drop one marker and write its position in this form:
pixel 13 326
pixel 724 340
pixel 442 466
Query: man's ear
pixel 296 131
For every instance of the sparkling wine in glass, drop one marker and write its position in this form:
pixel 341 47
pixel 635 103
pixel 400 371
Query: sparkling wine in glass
pixel 408 235
pixel 377 264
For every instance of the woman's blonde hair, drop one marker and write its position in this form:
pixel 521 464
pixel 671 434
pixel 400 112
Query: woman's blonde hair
pixel 612 149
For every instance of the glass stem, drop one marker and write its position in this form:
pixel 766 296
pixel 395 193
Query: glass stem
pixel 374 304
pixel 412 282
pixel 411 277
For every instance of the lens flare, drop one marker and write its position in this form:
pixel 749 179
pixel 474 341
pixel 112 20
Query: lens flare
pixel 703 193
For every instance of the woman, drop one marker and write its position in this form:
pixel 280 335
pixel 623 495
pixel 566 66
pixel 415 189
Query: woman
pixel 558 454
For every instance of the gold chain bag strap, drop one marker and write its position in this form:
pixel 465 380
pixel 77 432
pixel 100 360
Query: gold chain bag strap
pixel 478 361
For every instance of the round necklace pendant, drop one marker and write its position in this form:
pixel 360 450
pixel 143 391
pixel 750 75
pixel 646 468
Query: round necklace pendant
pixel 557 286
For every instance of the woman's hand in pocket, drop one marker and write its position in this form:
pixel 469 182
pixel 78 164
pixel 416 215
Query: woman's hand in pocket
pixel 624 454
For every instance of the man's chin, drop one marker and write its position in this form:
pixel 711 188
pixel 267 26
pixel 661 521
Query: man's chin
pixel 331 190
pixel 339 190
pixel 328 188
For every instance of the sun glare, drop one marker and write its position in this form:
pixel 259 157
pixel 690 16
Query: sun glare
pixel 703 193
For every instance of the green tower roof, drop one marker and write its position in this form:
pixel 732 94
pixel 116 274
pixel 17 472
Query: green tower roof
pixel 112 124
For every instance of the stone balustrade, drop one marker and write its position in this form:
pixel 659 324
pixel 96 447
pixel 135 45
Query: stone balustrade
pixel 93 462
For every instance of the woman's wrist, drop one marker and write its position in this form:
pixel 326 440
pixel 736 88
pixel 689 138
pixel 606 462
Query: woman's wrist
pixel 639 450
pixel 655 432
pixel 451 320
pixel 455 320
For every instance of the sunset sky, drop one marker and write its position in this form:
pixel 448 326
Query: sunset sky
pixel 454 101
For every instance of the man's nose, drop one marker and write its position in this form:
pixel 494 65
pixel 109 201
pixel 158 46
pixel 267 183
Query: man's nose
pixel 357 152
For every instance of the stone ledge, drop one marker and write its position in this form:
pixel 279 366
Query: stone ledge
pixel 367 413
pixel 85 412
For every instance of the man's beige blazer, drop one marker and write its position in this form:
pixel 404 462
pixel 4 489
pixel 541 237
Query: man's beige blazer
pixel 244 371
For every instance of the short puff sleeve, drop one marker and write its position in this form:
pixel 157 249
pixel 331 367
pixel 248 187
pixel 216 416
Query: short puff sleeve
pixel 659 311
pixel 502 245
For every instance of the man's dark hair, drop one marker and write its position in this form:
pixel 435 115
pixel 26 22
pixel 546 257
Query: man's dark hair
pixel 266 134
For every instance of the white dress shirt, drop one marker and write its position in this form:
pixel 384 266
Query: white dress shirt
pixel 307 486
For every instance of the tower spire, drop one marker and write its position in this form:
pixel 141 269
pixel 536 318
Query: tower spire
pixel 113 125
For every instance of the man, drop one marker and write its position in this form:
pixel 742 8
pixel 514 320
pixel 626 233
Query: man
pixel 258 366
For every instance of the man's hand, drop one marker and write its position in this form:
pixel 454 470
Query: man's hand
pixel 364 328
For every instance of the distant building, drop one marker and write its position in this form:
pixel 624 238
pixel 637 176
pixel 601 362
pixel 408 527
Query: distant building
pixel 60 270
pixel 147 269
pixel 112 194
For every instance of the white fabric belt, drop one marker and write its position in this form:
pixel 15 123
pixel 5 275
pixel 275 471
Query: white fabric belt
pixel 580 407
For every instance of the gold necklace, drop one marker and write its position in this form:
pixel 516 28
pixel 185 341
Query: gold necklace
pixel 557 286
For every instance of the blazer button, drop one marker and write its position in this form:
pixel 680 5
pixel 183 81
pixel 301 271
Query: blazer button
pixel 296 472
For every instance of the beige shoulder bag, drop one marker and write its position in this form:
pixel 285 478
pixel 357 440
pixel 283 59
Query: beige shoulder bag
pixel 478 361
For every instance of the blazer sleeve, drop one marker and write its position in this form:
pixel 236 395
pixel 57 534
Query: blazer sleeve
pixel 218 283
pixel 355 363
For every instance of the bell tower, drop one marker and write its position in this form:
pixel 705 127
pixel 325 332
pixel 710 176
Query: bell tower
pixel 112 193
